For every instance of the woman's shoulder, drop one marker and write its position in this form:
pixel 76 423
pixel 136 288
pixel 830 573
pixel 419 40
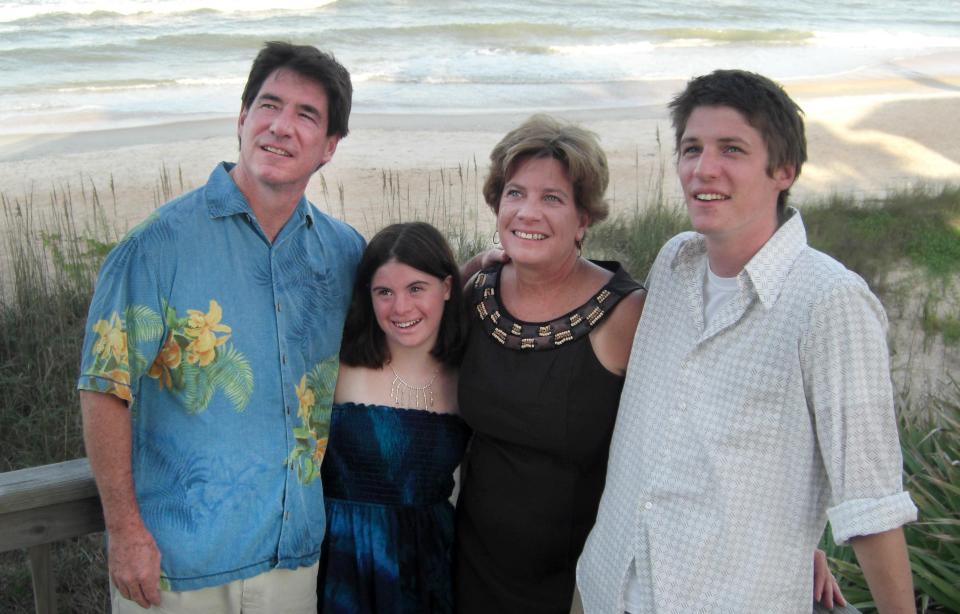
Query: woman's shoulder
pixel 613 338
pixel 352 382
pixel 619 278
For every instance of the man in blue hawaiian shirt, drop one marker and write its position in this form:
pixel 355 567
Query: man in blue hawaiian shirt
pixel 210 360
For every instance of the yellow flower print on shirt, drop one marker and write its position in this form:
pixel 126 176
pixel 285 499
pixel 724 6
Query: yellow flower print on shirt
pixel 306 398
pixel 112 340
pixel 115 350
pixel 168 359
pixel 194 363
pixel 201 328
pixel 315 396
pixel 120 387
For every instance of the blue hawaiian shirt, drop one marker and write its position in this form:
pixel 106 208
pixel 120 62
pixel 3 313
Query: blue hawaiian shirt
pixel 225 346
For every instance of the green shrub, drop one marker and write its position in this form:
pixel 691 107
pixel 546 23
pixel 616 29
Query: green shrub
pixel 872 237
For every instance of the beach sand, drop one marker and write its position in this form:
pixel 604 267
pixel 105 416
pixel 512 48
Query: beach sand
pixel 866 136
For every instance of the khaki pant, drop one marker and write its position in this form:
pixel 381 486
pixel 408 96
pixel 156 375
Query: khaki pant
pixel 278 591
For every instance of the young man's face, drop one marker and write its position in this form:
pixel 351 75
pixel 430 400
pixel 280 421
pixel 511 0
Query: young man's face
pixel 723 170
pixel 283 135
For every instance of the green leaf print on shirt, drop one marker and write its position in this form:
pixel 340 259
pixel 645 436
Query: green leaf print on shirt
pixel 315 396
pixel 194 361
pixel 115 351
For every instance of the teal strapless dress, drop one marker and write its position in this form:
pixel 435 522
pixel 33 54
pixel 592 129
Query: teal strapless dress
pixel 387 479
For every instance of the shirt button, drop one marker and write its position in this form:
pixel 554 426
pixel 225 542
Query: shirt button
pixel 648 505
pixel 278 306
pixel 288 410
pixel 283 358
pixel 286 515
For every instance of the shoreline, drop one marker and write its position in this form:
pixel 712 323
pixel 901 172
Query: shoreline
pixel 865 136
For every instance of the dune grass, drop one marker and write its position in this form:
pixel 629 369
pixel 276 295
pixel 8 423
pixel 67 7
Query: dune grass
pixel 47 268
pixel 921 225
pixel 48 265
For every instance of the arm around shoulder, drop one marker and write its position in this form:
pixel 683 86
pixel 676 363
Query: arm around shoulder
pixel 133 557
pixel 483 260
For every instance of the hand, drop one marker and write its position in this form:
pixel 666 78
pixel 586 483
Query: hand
pixel 133 561
pixel 482 260
pixel 492 256
pixel 826 591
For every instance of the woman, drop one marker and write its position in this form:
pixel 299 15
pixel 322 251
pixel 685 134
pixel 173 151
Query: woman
pixel 549 340
pixel 395 438
pixel 550 335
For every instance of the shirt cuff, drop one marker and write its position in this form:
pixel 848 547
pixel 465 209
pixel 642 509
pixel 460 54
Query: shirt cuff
pixel 869 516
pixel 96 383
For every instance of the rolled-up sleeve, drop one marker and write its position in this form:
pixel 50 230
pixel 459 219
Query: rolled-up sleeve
pixel 849 392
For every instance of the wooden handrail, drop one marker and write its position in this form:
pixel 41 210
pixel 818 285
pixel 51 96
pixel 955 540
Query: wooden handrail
pixel 42 505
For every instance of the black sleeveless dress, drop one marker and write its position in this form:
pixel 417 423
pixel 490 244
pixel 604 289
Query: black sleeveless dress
pixel 542 410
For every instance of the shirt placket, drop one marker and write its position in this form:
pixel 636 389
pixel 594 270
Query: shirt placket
pixel 682 399
pixel 291 513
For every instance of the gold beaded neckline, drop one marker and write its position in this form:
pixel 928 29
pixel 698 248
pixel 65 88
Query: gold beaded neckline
pixel 538 336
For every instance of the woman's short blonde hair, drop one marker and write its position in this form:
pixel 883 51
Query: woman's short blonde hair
pixel 577 149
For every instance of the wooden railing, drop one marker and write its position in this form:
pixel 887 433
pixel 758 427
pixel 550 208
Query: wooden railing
pixel 42 505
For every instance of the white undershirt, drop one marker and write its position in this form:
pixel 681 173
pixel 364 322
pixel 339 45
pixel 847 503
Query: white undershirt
pixel 635 599
pixel 717 292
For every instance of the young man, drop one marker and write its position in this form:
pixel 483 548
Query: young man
pixel 757 401
pixel 210 359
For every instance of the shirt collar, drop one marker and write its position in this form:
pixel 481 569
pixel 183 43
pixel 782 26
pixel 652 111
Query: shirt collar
pixel 769 267
pixel 224 198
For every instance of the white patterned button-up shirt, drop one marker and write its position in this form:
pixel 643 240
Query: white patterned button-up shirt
pixel 734 443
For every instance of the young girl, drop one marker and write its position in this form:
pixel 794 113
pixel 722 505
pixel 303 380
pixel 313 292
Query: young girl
pixel 395 437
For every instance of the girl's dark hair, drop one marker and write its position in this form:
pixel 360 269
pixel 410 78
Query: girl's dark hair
pixel 421 246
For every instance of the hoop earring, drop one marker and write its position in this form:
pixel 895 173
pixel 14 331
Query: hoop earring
pixel 496 237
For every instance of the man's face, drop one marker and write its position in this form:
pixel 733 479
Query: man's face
pixel 283 135
pixel 723 170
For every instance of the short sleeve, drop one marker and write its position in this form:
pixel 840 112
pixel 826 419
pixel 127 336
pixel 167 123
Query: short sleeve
pixel 125 326
pixel 359 244
pixel 847 379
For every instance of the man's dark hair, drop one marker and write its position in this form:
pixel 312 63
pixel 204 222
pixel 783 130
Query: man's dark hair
pixel 762 103
pixel 421 246
pixel 310 63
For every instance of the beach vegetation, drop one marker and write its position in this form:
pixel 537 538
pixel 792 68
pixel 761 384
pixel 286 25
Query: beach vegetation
pixel 48 264
pixel 931 463
pixel 919 226
pixel 47 268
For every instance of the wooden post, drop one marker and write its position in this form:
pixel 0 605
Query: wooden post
pixel 44 583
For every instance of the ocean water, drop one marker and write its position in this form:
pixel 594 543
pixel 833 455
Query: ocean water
pixel 89 64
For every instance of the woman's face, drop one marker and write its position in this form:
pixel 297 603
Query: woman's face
pixel 539 221
pixel 408 304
